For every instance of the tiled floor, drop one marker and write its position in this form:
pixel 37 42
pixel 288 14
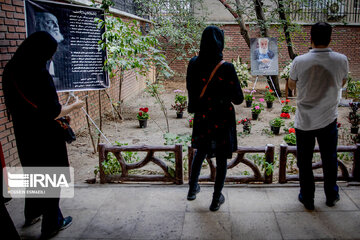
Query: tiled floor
pixel 162 212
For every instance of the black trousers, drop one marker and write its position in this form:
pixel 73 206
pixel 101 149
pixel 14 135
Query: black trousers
pixel 327 139
pixel 221 167
pixel 52 217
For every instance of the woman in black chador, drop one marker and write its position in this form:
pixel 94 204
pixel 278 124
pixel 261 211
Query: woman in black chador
pixel 214 130
pixel 33 103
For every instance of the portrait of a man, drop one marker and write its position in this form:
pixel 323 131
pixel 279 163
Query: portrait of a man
pixel 264 56
pixel 47 22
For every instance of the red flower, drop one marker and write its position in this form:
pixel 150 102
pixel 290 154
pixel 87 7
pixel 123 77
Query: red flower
pixel 291 130
pixel 267 87
pixel 140 114
pixel 145 109
pixel 245 120
pixel 285 115
pixel 141 109
pixel 220 79
pixel 287 100
pixel 282 101
pixel 338 124
pixel 271 91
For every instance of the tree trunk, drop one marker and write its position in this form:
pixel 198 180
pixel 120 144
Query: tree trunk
pixel 286 23
pixel 264 33
pixel 240 20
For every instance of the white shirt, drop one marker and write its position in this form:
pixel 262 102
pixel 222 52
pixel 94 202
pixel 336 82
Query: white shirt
pixel 318 75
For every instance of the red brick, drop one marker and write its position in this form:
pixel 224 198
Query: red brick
pixel 12 36
pixel 13 43
pixel 2 14
pixel 19 16
pixel 21 23
pixel 18 3
pixel 11 22
pixel 6 146
pixel 5 57
pixel 8 2
pixel 9 125
pixel 2 21
pixel 11 29
pixel 3 28
pixel 9 14
pixel 22 35
pixel 20 29
pixel 3 49
pixel 12 49
pixel 19 9
pixel 2 35
pixel 5 7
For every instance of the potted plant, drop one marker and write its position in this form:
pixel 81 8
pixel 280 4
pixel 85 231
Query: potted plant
pixel 249 97
pixel 143 116
pixel 285 115
pixel 290 138
pixel 354 119
pixel 256 110
pixel 246 122
pixel 286 108
pixel 275 125
pixel 191 122
pixel 269 97
pixel 180 103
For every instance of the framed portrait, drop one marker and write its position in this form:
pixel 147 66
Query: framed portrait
pixel 264 56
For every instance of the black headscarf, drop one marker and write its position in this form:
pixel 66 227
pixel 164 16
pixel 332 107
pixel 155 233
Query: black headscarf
pixel 26 66
pixel 211 46
pixel 35 51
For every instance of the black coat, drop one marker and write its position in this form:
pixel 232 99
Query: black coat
pixel 214 128
pixel 33 103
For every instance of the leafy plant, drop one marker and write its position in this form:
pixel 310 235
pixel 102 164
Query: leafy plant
pixel 285 73
pixel 260 160
pixel 354 119
pixel 111 165
pixel 155 90
pixel 249 97
pixel 290 139
pixel 257 108
pixel 242 71
pixel 353 88
pixel 143 114
pixel 245 121
pixel 267 132
pixel 172 139
pixel 277 122
pixel 180 101
pixel 269 97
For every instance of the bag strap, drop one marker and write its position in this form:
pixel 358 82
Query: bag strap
pixel 211 76
pixel 23 96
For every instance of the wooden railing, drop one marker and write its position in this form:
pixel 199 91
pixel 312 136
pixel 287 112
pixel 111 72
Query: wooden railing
pixel 240 158
pixel 176 177
pixel 354 176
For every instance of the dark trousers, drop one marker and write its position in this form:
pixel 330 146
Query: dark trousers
pixel 52 217
pixel 221 167
pixel 327 139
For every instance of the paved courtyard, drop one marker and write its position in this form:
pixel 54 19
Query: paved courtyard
pixel 134 211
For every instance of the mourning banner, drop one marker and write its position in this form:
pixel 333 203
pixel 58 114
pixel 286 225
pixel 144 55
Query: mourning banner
pixel 77 64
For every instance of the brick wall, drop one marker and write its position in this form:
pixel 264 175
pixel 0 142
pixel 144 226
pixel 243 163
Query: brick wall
pixel 345 39
pixel 12 33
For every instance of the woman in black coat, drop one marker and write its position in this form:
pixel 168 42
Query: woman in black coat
pixel 214 130
pixel 33 104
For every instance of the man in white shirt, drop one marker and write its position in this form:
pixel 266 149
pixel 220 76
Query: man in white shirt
pixel 319 76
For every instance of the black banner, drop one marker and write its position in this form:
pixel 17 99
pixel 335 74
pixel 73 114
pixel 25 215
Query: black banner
pixel 77 64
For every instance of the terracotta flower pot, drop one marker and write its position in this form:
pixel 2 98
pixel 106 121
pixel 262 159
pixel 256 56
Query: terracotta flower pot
pixel 143 123
pixel 248 103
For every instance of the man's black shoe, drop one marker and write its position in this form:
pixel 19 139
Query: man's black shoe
pixel 216 203
pixel 332 202
pixel 309 205
pixel 192 192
